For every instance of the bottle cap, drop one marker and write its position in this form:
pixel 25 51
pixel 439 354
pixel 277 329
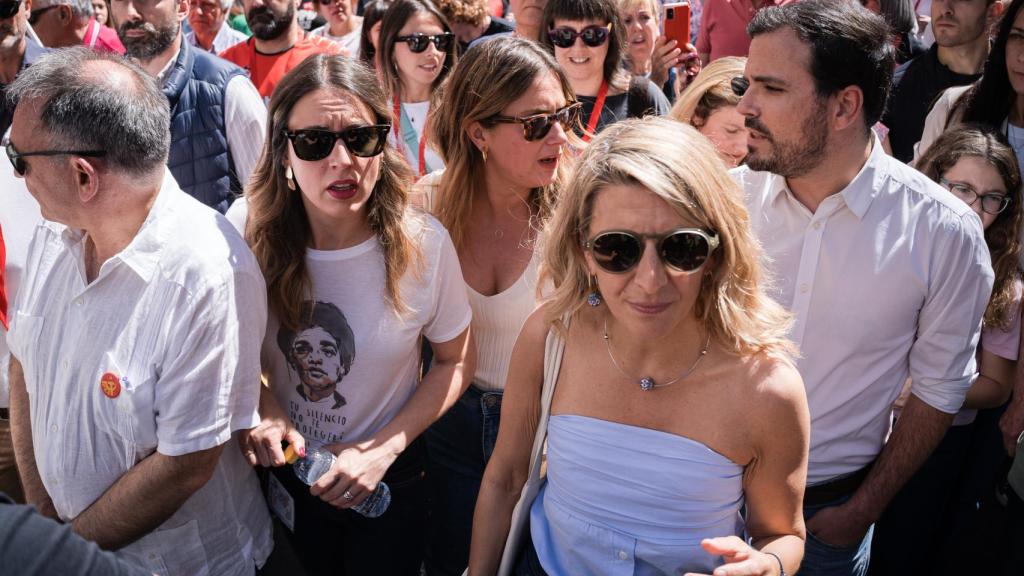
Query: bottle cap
pixel 290 455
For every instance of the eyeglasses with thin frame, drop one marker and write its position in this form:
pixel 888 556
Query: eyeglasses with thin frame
pixel 313 144
pixel 593 35
pixel 18 158
pixel 9 9
pixel 37 13
pixel 419 42
pixel 537 126
pixel 683 249
pixel 991 202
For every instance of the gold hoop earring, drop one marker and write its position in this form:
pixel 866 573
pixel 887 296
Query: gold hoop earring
pixel 289 179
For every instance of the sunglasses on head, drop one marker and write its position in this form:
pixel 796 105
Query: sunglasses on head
pixel 739 85
pixel 9 9
pixel 593 36
pixel 537 126
pixel 418 42
pixel 18 158
pixel 684 249
pixel 316 144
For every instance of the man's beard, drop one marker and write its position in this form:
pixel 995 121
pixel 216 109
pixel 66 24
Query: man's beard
pixel 790 159
pixel 156 40
pixel 267 24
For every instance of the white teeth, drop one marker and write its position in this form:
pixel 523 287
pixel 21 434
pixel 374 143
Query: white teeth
pixel 578 60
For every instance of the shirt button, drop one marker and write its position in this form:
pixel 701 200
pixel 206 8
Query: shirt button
pixel 804 288
pixel 623 555
pixel 152 556
pixel 79 302
pixel 64 364
pixel 53 428
pixel 817 225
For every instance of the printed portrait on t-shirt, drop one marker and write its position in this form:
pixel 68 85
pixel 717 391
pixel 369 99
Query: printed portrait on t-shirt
pixel 320 353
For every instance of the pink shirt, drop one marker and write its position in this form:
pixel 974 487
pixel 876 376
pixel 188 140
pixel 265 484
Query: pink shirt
pixel 102 38
pixel 723 26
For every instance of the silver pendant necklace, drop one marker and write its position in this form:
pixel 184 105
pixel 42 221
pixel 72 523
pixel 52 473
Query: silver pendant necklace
pixel 647 383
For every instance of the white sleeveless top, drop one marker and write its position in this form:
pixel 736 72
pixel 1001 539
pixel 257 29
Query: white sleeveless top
pixel 497 319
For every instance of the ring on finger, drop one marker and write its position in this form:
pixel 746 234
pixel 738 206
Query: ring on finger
pixel 348 496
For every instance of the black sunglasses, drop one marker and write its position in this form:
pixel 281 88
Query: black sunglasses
pixel 991 202
pixel 9 9
pixel 35 15
pixel 685 249
pixel 593 36
pixel 739 85
pixel 537 126
pixel 315 144
pixel 418 42
pixel 17 158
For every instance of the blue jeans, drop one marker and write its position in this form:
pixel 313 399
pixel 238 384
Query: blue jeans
pixel 823 559
pixel 459 445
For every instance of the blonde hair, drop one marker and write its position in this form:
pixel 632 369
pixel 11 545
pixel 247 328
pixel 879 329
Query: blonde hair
pixel 691 178
pixel 490 77
pixel 709 91
pixel 278 227
pixel 653 5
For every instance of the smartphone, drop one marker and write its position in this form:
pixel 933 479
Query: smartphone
pixel 676 19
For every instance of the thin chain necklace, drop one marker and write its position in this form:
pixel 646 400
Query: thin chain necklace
pixel 647 383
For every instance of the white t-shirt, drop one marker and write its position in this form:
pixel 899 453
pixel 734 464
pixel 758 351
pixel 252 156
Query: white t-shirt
pixel 158 353
pixel 349 41
pixel 417 113
pixel 354 366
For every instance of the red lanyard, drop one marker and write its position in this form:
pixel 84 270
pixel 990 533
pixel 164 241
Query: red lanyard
pixel 595 114
pixel 398 137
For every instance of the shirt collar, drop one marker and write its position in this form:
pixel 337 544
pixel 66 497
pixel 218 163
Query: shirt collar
pixel 858 194
pixel 33 51
pixel 167 67
pixel 142 254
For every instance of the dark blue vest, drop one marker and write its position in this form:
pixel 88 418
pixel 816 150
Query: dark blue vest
pixel 199 157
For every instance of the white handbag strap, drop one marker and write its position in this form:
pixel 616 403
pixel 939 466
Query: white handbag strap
pixel 554 346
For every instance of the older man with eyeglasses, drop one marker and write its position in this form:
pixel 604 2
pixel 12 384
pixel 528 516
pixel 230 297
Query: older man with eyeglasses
pixel 63 23
pixel 210 30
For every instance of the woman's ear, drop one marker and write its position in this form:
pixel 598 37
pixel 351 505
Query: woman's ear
pixel 479 135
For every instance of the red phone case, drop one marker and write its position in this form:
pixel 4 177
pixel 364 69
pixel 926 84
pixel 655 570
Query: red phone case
pixel 676 17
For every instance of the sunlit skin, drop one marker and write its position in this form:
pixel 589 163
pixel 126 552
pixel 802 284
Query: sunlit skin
pixel 99 10
pixel 334 189
pixel 583 65
pixel 206 19
pixel 981 177
pixel 724 127
pixel 340 15
pixel 641 29
pixel 418 71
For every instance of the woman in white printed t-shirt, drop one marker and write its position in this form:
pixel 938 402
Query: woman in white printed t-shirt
pixel 355 279
pixel 503 127
pixel 343 26
pixel 417 51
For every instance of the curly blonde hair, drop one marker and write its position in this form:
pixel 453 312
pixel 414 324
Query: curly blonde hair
pixel 690 177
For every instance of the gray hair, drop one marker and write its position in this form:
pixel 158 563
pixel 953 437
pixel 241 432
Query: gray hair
pixel 80 8
pixel 226 5
pixel 94 109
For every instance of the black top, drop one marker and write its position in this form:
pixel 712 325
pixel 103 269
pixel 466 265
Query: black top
pixel 33 545
pixel 617 107
pixel 916 85
pixel 497 27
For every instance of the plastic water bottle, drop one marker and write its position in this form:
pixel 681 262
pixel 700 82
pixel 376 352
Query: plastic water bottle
pixel 318 461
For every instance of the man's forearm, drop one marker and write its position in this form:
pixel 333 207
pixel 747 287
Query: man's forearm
pixel 147 495
pixel 21 439
pixel 918 431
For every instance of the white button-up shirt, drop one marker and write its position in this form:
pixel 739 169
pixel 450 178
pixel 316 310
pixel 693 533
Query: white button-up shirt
pixel 226 38
pixel 888 278
pixel 176 319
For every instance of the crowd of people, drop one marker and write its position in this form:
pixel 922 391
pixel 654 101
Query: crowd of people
pixel 521 288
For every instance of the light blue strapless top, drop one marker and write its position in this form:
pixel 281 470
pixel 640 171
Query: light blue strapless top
pixel 625 500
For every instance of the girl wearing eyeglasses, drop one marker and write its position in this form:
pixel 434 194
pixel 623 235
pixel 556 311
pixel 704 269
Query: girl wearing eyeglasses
pixel 343 25
pixel 503 124
pixel 417 51
pixel 932 509
pixel 674 402
pixel 588 39
pixel 355 280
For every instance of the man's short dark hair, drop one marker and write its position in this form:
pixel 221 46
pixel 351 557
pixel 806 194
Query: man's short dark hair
pixel 849 47
pixel 81 110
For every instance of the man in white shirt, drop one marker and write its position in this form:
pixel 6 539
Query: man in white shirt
pixel 136 331
pixel 218 119
pixel 886 273
pixel 209 22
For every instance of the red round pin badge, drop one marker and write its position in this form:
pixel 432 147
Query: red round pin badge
pixel 111 385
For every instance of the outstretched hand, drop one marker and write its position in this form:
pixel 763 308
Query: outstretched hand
pixel 740 558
